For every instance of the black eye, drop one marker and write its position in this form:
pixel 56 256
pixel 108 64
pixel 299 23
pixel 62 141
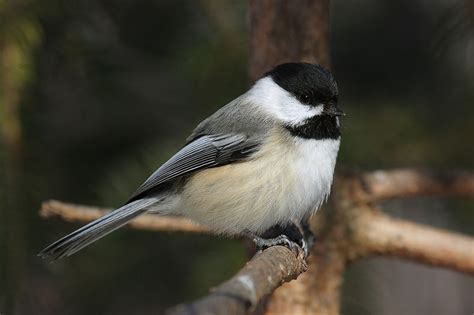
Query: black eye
pixel 305 99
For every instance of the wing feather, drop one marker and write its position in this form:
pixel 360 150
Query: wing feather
pixel 203 152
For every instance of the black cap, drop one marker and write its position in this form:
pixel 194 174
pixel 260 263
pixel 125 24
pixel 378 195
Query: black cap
pixel 310 83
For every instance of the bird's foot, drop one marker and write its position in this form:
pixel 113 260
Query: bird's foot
pixel 297 237
pixel 308 236
pixel 264 243
pixel 297 247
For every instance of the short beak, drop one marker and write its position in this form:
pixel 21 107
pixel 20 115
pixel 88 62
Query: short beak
pixel 333 110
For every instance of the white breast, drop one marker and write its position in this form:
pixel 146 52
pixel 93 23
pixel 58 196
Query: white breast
pixel 314 162
pixel 286 180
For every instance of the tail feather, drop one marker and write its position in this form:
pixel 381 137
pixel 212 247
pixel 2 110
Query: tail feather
pixel 95 230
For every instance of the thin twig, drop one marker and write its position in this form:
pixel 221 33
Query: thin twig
pixel 380 234
pixel 84 214
pixel 402 183
pixel 245 291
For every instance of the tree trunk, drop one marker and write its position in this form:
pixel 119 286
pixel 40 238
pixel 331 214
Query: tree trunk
pixel 289 31
pixel 284 31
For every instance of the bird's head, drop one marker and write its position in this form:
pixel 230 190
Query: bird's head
pixel 302 96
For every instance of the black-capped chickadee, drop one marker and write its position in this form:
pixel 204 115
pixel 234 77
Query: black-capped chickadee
pixel 265 159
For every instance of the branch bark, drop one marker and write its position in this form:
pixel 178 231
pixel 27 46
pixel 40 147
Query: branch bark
pixel 244 292
pixel 377 233
pixel 317 291
pixel 402 183
pixel 84 214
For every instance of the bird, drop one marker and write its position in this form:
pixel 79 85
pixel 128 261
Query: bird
pixel 265 160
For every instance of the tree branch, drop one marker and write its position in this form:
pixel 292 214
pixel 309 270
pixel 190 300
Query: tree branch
pixel 380 234
pixel 317 291
pixel 401 183
pixel 84 214
pixel 245 291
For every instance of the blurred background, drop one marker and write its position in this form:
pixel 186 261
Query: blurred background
pixel 94 95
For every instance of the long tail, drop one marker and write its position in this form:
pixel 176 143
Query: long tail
pixel 97 229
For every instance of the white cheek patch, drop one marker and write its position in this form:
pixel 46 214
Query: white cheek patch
pixel 280 104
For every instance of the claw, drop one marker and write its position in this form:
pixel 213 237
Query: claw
pixel 296 236
pixel 264 243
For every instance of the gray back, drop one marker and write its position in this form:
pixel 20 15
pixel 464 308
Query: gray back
pixel 239 116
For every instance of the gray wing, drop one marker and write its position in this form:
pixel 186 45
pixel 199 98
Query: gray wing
pixel 203 152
